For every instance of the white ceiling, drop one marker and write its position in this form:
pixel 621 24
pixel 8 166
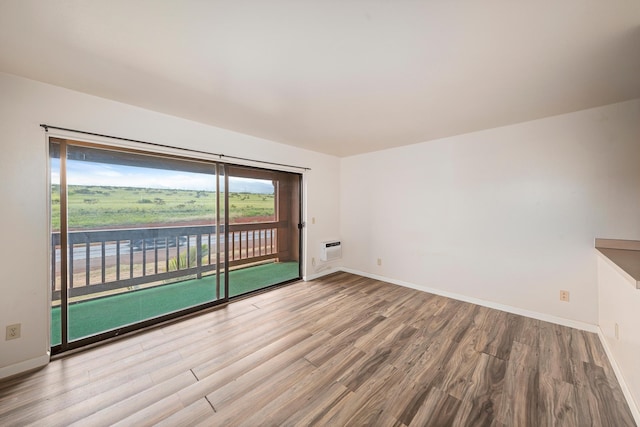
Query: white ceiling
pixel 335 76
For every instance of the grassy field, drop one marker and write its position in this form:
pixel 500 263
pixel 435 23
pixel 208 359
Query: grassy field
pixel 106 207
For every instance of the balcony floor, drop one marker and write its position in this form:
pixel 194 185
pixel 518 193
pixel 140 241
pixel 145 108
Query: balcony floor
pixel 91 317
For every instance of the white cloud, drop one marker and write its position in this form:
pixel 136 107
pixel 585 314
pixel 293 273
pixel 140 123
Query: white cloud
pixel 99 174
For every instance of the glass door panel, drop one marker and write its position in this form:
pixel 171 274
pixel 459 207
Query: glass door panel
pixel 142 239
pixel 263 235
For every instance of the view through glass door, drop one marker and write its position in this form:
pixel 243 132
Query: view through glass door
pixel 147 237
pixel 263 226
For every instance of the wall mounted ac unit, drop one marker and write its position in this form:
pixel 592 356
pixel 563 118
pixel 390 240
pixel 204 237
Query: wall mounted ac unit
pixel 331 250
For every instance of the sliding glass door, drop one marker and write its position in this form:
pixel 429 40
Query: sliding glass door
pixel 139 237
pixel 263 226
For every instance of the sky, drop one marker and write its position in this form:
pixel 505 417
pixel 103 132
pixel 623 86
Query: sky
pixel 101 174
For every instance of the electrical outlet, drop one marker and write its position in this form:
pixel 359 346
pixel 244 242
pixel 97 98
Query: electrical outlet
pixel 617 330
pixel 13 332
pixel 313 262
pixel 564 296
pixel 313 220
pixel 379 261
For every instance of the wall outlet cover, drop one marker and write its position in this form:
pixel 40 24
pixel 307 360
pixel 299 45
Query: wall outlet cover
pixel 13 332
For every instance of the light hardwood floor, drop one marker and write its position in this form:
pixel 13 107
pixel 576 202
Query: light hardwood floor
pixel 342 350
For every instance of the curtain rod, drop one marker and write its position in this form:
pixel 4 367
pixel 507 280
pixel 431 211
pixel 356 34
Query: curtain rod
pixel 155 144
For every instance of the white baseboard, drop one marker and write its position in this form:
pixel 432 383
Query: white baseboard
pixel 24 366
pixel 321 273
pixel 533 314
pixel 490 304
pixel 623 385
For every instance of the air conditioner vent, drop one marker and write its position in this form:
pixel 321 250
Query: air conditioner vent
pixel 330 250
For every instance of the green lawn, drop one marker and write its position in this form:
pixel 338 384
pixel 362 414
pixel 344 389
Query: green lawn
pixel 102 206
pixel 91 317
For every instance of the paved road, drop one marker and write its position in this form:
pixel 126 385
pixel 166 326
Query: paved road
pixel 95 251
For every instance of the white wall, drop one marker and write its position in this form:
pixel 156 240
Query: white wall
pixel 619 302
pixel 508 215
pixel 24 104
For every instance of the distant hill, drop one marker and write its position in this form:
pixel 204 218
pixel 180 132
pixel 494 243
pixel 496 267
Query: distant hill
pixel 99 207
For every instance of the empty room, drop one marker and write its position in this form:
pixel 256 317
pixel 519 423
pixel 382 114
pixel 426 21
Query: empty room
pixel 292 213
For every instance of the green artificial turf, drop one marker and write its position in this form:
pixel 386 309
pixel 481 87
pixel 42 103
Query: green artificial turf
pixel 91 317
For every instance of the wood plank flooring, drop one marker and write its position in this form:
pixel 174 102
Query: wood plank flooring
pixel 341 350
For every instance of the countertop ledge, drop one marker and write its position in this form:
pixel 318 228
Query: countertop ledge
pixel 623 253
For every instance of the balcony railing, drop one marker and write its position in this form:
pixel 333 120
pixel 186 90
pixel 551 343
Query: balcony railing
pixel 107 260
